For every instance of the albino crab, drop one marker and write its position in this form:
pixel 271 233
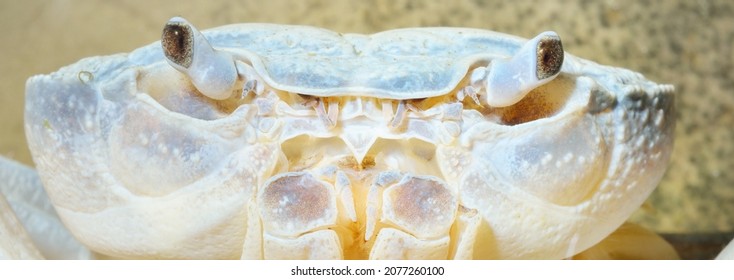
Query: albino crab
pixel 272 141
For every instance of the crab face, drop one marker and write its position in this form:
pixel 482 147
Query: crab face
pixel 270 141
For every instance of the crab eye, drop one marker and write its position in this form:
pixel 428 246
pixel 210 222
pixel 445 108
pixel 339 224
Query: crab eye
pixel 537 62
pixel 549 57
pixel 212 72
pixel 177 42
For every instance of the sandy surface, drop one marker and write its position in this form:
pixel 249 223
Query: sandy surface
pixel 688 44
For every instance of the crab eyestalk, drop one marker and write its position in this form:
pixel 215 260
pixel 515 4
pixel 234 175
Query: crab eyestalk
pixel 212 72
pixel 537 62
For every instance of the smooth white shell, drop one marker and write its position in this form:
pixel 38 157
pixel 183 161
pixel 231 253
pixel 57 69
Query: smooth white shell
pixel 396 64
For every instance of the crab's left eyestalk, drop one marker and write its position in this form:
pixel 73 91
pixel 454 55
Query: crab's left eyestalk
pixel 537 62
pixel 212 72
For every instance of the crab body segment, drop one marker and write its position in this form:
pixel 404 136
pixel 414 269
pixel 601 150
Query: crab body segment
pixel 270 141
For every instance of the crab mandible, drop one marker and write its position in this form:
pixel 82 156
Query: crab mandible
pixel 272 141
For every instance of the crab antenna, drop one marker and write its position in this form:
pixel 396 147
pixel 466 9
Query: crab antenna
pixel 212 72
pixel 537 62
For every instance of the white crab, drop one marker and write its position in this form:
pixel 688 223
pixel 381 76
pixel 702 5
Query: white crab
pixel 280 142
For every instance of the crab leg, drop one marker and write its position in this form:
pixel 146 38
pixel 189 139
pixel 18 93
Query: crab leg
pixel 14 240
pixel 631 242
pixel 37 218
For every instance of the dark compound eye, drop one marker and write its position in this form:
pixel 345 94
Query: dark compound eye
pixel 550 57
pixel 178 43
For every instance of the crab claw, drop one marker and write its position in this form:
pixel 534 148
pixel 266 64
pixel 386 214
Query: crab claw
pixel 212 72
pixel 537 62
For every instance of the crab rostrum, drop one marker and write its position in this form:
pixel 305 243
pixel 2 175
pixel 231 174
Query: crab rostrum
pixel 277 142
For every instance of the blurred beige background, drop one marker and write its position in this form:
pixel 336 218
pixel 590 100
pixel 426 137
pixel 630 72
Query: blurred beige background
pixel 686 43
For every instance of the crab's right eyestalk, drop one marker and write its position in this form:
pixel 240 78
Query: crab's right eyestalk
pixel 212 72
pixel 537 62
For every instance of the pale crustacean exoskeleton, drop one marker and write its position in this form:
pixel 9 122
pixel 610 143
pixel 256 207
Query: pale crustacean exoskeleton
pixel 262 141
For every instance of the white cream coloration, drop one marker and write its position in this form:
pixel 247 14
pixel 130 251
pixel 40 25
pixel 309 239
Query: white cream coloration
pixel 274 142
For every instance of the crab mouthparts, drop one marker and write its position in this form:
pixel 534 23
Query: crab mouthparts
pixel 360 122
